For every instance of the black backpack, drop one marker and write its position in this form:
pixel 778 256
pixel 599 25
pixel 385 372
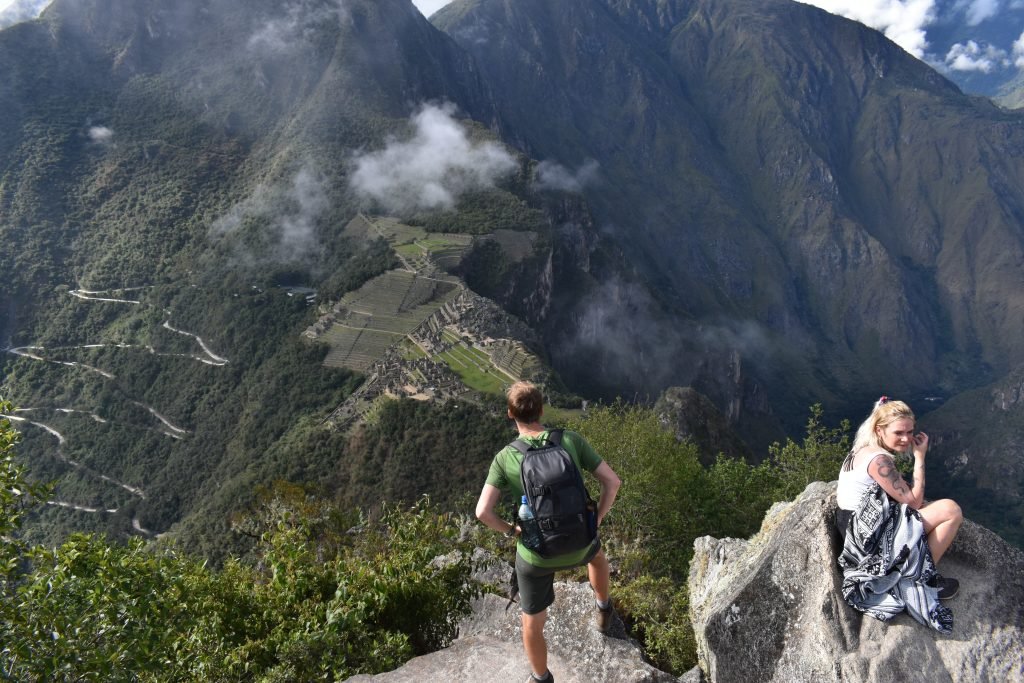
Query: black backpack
pixel 565 513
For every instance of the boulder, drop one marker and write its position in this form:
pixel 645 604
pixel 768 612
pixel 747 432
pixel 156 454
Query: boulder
pixel 769 608
pixel 489 647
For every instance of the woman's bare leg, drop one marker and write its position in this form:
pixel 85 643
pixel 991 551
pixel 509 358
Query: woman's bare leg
pixel 942 519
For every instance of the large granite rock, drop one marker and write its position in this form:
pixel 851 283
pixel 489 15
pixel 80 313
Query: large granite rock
pixel 769 609
pixel 489 648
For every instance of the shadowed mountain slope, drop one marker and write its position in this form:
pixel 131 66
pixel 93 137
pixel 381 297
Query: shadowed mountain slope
pixel 771 164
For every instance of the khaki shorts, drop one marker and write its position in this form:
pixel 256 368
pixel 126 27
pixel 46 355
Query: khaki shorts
pixel 537 584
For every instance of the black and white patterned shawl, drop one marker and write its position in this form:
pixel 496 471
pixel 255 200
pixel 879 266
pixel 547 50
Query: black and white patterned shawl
pixel 886 563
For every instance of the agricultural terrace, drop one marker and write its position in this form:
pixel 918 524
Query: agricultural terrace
pixel 380 314
pixel 418 249
pixel 513 358
pixel 383 312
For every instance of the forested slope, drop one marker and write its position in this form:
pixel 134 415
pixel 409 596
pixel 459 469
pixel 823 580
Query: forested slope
pixel 163 171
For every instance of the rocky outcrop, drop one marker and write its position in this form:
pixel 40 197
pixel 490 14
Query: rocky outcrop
pixel 689 414
pixel 769 608
pixel 489 647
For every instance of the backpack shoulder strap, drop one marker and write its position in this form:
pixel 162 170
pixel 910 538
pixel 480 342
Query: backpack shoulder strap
pixel 520 446
pixel 554 437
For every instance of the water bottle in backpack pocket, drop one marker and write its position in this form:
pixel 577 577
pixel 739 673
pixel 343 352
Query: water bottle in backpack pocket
pixel 530 535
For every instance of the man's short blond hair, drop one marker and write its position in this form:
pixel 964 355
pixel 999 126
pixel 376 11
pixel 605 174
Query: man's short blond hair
pixel 525 402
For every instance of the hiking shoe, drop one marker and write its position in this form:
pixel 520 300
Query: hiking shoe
pixel 603 618
pixel 947 587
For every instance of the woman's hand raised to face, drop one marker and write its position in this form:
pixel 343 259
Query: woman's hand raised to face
pixel 920 441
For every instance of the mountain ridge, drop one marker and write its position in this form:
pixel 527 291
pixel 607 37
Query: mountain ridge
pixel 772 205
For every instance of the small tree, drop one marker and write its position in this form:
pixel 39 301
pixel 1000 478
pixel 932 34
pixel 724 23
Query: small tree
pixel 818 458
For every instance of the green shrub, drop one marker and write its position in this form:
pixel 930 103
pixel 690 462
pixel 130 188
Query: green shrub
pixel 329 595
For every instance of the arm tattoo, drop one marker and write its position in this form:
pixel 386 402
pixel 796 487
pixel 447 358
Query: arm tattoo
pixel 887 469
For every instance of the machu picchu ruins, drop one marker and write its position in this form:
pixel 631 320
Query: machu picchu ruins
pixel 418 331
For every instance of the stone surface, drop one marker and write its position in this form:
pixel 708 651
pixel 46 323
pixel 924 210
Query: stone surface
pixel 489 648
pixel 769 609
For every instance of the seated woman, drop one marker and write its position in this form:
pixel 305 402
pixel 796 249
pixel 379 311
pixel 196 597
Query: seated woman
pixel 892 540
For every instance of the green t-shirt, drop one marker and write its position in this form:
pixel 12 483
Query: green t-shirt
pixel 504 475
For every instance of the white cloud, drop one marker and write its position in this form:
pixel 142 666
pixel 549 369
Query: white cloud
pixel 288 214
pixel 280 35
pixel 980 10
pixel 554 176
pixel 101 134
pixel 972 56
pixel 902 21
pixel 1018 52
pixel 16 11
pixel 432 168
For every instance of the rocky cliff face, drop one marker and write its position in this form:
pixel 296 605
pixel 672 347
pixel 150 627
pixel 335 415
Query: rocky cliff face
pixel 769 608
pixel 690 415
pixel 489 647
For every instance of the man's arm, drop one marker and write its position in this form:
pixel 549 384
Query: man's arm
pixel 489 497
pixel 610 484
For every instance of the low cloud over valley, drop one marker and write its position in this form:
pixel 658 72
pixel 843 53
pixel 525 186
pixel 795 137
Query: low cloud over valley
pixel 432 168
pixel 554 176
pixel 277 223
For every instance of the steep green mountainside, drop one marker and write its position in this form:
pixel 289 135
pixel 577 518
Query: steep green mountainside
pixel 165 172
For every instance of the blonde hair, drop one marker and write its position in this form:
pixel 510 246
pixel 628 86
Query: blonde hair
pixel 525 402
pixel 885 412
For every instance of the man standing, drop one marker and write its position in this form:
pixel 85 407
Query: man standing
pixel 536 574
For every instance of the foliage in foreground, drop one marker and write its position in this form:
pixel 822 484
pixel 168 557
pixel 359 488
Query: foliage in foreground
pixel 325 601
pixel 329 594
pixel 668 500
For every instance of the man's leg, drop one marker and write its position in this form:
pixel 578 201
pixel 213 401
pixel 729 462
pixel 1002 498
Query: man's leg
pixel 536 593
pixel 534 643
pixel 598 572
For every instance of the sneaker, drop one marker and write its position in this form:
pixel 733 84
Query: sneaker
pixel 549 679
pixel 947 587
pixel 603 618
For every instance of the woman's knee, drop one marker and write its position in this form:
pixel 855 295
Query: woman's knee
pixel 945 510
pixel 952 510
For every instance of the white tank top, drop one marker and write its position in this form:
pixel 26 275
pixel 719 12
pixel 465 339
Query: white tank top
pixel 853 483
